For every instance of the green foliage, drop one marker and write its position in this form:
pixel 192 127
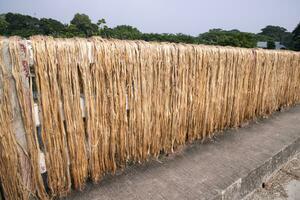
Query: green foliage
pixel 101 23
pixel 277 33
pixel 176 38
pixel 296 44
pixel 228 38
pixel 84 25
pixel 263 38
pixel 296 38
pixel 73 31
pixel 22 25
pixel 3 25
pixel 287 40
pixel 123 32
pixel 271 45
pixel 52 27
pixel 296 31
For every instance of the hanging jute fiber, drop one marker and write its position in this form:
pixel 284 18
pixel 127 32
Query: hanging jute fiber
pixel 106 103
pixel 10 161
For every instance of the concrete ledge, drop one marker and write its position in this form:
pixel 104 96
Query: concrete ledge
pixel 255 178
pixel 230 166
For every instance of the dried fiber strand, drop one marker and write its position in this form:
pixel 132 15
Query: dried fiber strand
pixel 53 131
pixel 26 105
pixel 10 164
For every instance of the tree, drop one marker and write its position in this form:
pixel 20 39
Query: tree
pixel 165 37
pixel 277 33
pixel 101 23
pixel 183 38
pixel 73 31
pixel 84 25
pixel 296 38
pixel 296 31
pixel 233 38
pixel 124 32
pixel 3 25
pixel 22 25
pixel 52 27
pixel 271 45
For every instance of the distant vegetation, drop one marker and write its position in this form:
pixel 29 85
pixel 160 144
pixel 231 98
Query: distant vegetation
pixel 82 26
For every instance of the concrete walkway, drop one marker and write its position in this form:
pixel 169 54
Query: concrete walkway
pixel 230 166
pixel 283 185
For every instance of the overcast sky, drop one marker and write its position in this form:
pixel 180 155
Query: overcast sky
pixel 168 16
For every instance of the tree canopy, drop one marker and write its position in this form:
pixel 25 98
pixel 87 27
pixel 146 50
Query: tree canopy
pixel 52 27
pixel 3 24
pixel 296 38
pixel 22 25
pixel 277 33
pixel 229 38
pixel 82 26
pixel 123 32
pixel 271 45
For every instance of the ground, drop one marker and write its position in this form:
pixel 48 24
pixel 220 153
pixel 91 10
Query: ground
pixel 283 185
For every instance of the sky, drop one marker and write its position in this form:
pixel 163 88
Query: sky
pixel 168 16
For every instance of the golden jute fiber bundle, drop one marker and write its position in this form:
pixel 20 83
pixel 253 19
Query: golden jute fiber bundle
pixel 26 105
pixel 140 100
pixel 10 162
pixel 53 129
